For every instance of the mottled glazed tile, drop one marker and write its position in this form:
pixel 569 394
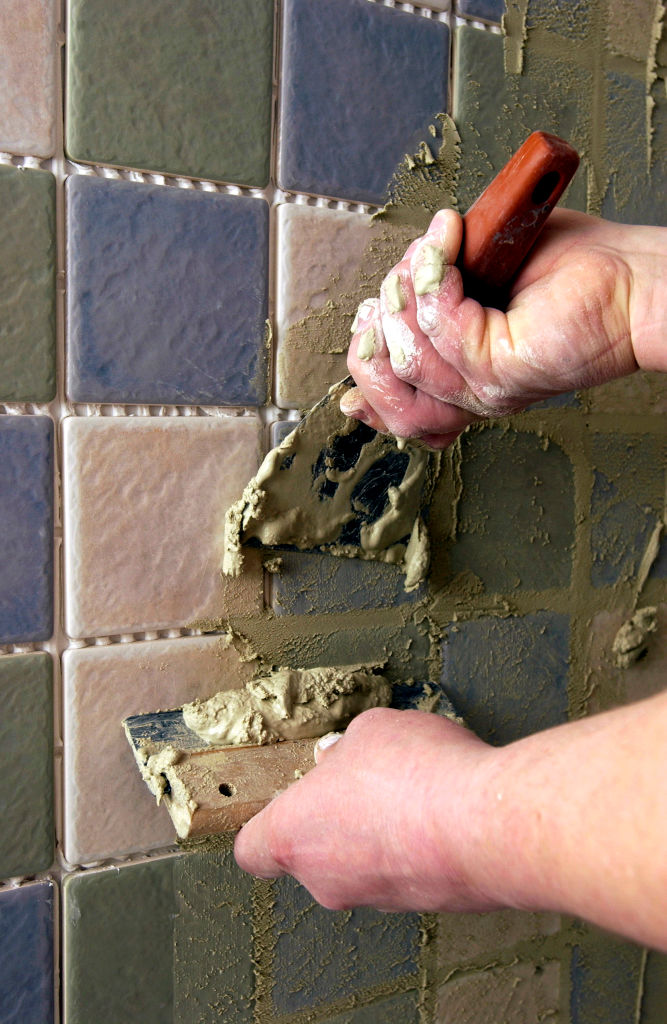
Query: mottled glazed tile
pixel 26 954
pixel 27 284
pixel 26 754
pixel 645 391
pixel 605 978
pixel 632 197
pixel 318 249
pixel 489 10
pixel 355 949
pixel 607 683
pixel 346 117
pixel 167 296
pixel 520 994
pixel 467 937
pixel 570 20
pixel 26 528
pixel 145 500
pixel 514 478
pixel 400 1009
pixel 102 686
pixel 28 69
pixel 630 37
pixel 626 502
pixel 181 89
pixel 167 939
pixel 508 677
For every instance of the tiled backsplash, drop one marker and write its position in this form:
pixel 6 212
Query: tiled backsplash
pixel 214 170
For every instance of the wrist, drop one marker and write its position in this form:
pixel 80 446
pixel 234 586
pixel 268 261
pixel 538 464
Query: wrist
pixel 646 256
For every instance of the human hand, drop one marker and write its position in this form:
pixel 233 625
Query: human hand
pixel 382 820
pixel 428 361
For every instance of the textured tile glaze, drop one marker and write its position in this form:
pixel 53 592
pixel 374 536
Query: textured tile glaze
pixel 183 88
pixel 26 528
pixel 508 677
pixel 167 299
pixel 611 685
pixel 26 954
pixel 467 937
pixel 28 63
pixel 145 500
pixel 27 285
pixel 489 10
pixel 347 118
pixel 520 994
pixel 26 754
pixel 315 246
pixel 102 686
pixel 605 979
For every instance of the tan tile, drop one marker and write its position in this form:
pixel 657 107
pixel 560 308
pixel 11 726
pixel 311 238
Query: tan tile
pixel 630 32
pixel 319 253
pixel 28 61
pixel 145 500
pixel 610 685
pixel 520 994
pixel 641 391
pixel 108 809
pixel 465 937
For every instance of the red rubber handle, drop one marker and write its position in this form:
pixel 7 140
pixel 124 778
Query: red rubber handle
pixel 503 224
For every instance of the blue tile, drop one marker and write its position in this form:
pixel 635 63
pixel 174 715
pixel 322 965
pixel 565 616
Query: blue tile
pixel 605 977
pixel 490 10
pixel 26 528
pixel 569 19
pixel 26 955
pixel 322 955
pixel 167 299
pixel 280 430
pixel 347 116
pixel 508 677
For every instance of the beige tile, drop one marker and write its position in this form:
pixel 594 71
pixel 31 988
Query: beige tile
pixel 520 994
pixel 108 809
pixel 610 685
pixel 465 937
pixel 319 253
pixel 28 62
pixel 641 391
pixel 145 500
pixel 630 29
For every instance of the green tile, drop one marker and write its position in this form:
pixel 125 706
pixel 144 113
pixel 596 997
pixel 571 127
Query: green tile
pixel 26 755
pixel 27 285
pixel 182 88
pixel 118 940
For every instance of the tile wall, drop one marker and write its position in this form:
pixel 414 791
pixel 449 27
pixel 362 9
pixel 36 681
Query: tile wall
pixel 178 185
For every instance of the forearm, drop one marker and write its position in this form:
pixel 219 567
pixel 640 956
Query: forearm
pixel 575 820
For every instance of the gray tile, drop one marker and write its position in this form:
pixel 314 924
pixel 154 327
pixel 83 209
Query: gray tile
pixel 26 954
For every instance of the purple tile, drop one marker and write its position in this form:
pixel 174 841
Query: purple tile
pixel 167 299
pixel 26 954
pixel 347 117
pixel 26 528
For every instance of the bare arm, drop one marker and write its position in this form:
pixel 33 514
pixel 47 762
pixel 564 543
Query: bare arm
pixel 409 811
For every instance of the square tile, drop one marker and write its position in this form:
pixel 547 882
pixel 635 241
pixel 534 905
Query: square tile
pixel 654 996
pixel 508 677
pixel 27 285
pixel 26 528
pixel 26 954
pixel 515 517
pixel 520 994
pixel 468 937
pixel 570 20
pixel 28 68
pixel 102 686
pixel 346 118
pixel 633 194
pixel 26 754
pixel 608 683
pixel 145 500
pixel 645 391
pixel 488 10
pixel 168 295
pixel 181 89
pixel 355 949
pixel 319 252
pixel 605 979
pixel 403 1008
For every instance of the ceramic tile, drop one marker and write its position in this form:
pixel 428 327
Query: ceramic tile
pixel 654 995
pixel 314 583
pixel 27 285
pixel 403 1007
pixel 182 89
pixel 319 252
pixel 26 753
pixel 508 677
pixel 355 949
pixel 26 954
pixel 346 118
pixel 280 430
pixel 514 478
pixel 167 298
pixel 467 937
pixel 631 196
pixel 571 20
pixel 102 686
pixel 520 994
pixel 26 527
pixel 626 502
pixel 28 64
pixel 630 37
pixel 610 685
pixel 605 977
pixel 167 939
pixel 145 500
pixel 645 391
pixel 489 10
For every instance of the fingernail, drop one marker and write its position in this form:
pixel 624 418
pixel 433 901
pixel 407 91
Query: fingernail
pixel 363 312
pixel 326 741
pixel 429 273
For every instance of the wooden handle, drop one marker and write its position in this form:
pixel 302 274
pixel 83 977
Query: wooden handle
pixel 503 224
